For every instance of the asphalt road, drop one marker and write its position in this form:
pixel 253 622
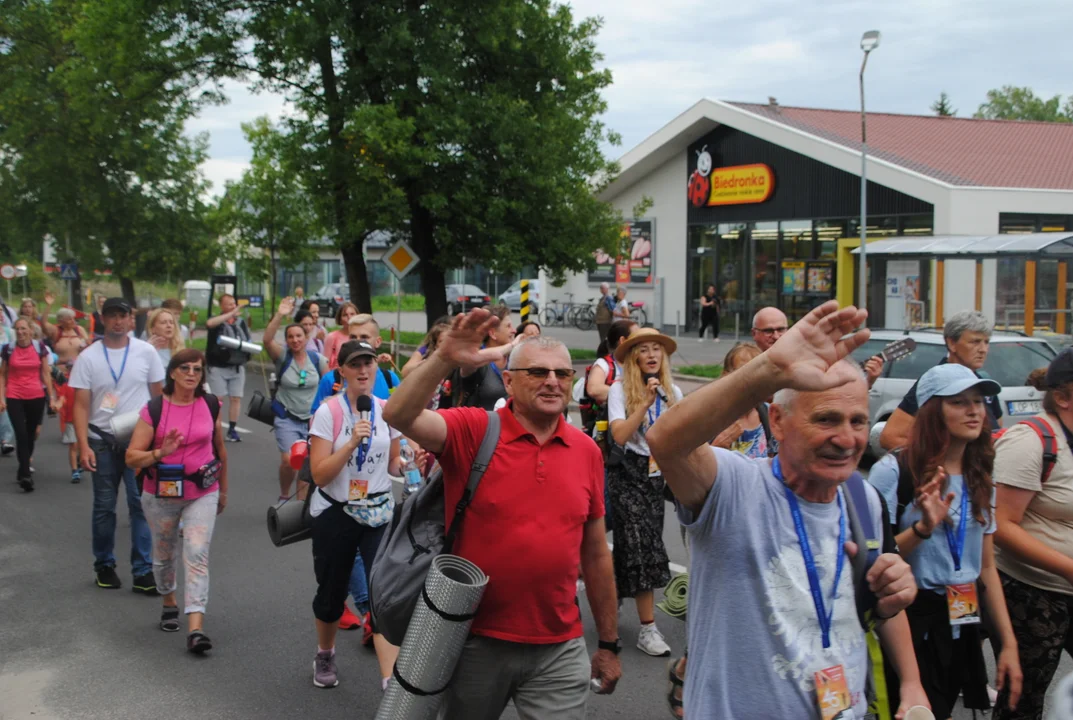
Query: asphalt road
pixel 71 650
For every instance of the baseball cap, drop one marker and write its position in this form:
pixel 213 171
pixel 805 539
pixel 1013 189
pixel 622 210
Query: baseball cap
pixel 355 348
pixel 951 379
pixel 1060 371
pixel 115 303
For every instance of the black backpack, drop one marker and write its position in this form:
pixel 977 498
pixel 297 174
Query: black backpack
pixel 156 409
pixel 592 411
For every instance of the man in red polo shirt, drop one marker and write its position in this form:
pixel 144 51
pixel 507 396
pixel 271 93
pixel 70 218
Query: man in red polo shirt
pixel 537 514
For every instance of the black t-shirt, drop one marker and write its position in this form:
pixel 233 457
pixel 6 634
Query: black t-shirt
pixel 993 404
pixel 482 389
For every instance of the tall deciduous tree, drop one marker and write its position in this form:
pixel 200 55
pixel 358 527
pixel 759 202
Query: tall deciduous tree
pixel 472 130
pixel 1021 103
pixel 942 106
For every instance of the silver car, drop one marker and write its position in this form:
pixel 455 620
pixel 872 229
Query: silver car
pixel 1009 361
pixel 512 296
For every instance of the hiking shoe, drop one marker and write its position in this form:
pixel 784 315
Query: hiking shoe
pixel 349 621
pixel 27 483
pixel 650 641
pixel 232 435
pixel 198 643
pixel 325 674
pixel 108 579
pixel 6 448
pixel 145 584
pixel 76 477
pixel 367 632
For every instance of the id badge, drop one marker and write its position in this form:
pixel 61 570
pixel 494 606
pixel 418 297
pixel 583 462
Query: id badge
pixel 110 402
pixel 169 489
pixel 963 604
pixel 653 467
pixel 832 694
pixel 359 490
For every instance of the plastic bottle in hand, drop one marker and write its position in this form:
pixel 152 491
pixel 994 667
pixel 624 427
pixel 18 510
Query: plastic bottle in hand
pixel 410 472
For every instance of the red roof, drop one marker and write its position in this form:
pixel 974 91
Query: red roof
pixel 958 151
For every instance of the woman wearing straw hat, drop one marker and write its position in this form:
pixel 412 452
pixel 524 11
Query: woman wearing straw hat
pixel 634 403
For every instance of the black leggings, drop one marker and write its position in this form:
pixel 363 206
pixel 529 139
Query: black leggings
pixel 337 537
pixel 25 418
pixel 709 317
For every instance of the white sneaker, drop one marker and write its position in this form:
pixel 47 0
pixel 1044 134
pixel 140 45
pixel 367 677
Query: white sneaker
pixel 650 641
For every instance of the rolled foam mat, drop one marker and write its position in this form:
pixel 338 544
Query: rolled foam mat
pixel 434 640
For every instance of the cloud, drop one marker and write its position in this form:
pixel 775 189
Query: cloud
pixel 220 169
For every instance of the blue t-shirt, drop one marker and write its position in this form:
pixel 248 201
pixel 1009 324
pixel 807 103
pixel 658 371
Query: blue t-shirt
pixel 932 563
pixel 748 577
pixel 327 387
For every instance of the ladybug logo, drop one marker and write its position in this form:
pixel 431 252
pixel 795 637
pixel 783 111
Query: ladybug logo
pixel 704 161
pixel 699 189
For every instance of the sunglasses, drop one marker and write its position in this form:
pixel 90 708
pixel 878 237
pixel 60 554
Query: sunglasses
pixel 189 369
pixel 302 375
pixel 541 373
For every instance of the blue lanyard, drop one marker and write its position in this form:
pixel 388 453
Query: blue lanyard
pixel 121 367
pixel 363 448
pixel 824 613
pixel 957 546
pixel 651 420
pixel 496 370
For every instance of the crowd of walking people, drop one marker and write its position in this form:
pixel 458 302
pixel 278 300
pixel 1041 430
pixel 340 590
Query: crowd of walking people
pixel 807 582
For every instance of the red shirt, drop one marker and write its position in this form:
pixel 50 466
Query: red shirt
pixel 67 412
pixel 525 524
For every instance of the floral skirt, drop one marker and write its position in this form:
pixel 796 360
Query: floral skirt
pixel 637 505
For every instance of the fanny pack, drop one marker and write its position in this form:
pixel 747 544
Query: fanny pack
pixel 373 511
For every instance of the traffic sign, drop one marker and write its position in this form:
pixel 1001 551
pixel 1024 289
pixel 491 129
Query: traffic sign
pixel 7 271
pixel 68 271
pixel 401 259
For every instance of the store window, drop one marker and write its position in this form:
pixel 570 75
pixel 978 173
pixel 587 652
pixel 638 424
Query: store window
pixel 765 242
pixel 1010 280
pixel 700 268
pixel 828 233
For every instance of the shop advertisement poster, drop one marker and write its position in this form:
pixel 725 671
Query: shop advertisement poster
pixel 793 277
pixel 636 269
pixel 820 278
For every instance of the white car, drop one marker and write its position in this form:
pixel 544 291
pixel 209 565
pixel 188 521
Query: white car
pixel 1009 361
pixel 512 296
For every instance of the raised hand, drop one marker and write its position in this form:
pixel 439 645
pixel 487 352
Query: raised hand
pixel 806 357
pixel 49 298
pixel 172 441
pixel 873 369
pixel 934 508
pixel 461 344
pixel 385 359
pixel 286 306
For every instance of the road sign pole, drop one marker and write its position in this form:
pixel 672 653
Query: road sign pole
pixel 398 319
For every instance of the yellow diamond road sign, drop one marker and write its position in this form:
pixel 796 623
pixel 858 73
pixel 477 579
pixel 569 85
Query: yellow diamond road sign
pixel 401 259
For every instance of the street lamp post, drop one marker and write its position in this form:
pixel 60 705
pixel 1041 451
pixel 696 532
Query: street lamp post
pixel 869 42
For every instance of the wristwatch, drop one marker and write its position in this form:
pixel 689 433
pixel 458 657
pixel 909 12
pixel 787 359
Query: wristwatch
pixel 612 646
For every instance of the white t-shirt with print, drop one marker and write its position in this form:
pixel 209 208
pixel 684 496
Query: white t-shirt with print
pixel 616 410
pixel 375 467
pixel 91 372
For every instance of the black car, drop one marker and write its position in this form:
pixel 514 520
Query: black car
pixel 461 298
pixel 330 297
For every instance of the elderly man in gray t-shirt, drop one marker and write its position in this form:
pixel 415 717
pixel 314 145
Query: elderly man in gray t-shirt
pixel 771 596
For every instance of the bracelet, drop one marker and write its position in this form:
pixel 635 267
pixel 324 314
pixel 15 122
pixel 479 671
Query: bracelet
pixel 919 534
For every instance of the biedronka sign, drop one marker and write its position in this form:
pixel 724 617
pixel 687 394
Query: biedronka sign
pixel 736 185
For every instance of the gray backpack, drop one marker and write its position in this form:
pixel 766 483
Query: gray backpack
pixel 416 536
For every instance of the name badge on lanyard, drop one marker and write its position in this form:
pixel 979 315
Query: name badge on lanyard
pixel 653 467
pixel 961 600
pixel 110 401
pixel 359 487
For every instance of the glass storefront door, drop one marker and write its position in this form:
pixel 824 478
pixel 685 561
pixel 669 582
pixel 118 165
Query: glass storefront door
pixel 700 270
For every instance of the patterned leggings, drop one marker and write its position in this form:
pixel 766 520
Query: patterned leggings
pixel 1041 623
pixel 199 519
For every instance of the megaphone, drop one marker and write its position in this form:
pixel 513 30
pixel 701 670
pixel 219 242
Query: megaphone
pixel 233 344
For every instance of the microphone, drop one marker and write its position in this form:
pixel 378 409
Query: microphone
pixel 365 406
pixel 659 388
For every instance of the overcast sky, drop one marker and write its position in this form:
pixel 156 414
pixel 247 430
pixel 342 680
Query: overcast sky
pixel 667 54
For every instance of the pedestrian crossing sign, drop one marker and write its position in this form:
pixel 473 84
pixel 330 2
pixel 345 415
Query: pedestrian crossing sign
pixel 400 259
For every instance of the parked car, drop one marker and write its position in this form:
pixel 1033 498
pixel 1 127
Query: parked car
pixel 330 297
pixel 512 298
pixel 1009 361
pixel 461 298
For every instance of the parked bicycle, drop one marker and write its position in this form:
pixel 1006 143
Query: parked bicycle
pixel 638 314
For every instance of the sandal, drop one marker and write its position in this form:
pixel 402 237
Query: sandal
pixel 169 619
pixel 198 643
pixel 675 687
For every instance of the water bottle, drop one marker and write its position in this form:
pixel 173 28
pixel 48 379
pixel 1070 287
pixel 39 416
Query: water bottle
pixel 410 472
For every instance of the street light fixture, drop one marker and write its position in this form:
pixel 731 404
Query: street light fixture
pixel 869 42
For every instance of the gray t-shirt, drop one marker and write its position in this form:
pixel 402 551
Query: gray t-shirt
pixel 295 392
pixel 754 637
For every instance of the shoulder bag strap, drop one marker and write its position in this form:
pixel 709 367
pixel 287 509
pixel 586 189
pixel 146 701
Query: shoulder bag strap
pixel 1050 444
pixel 476 472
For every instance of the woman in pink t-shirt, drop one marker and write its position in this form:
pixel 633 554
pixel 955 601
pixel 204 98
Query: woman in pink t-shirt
pixel 184 480
pixel 24 377
pixel 336 338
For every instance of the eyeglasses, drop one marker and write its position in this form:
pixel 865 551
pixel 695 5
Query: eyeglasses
pixel 768 332
pixel 302 374
pixel 189 369
pixel 541 373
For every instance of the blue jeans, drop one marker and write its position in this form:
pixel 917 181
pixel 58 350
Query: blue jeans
pixel 111 470
pixel 359 585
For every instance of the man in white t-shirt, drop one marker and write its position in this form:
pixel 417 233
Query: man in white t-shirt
pixel 112 378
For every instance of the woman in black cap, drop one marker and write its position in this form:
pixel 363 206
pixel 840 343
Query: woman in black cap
pixel 352 452
pixel 1034 540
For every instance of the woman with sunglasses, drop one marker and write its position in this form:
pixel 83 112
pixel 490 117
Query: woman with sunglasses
pixel 634 403
pixel 298 374
pixel 941 500
pixel 351 456
pixel 184 481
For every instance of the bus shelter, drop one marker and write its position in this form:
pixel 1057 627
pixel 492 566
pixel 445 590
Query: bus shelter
pixel 1030 249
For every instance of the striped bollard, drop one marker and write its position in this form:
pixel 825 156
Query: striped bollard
pixel 525 300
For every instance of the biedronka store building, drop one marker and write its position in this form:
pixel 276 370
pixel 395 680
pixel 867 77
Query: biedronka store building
pixel 763 201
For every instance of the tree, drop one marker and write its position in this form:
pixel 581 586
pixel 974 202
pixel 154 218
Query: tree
pixel 1021 103
pixel 92 112
pixel 942 108
pixel 268 210
pixel 475 134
